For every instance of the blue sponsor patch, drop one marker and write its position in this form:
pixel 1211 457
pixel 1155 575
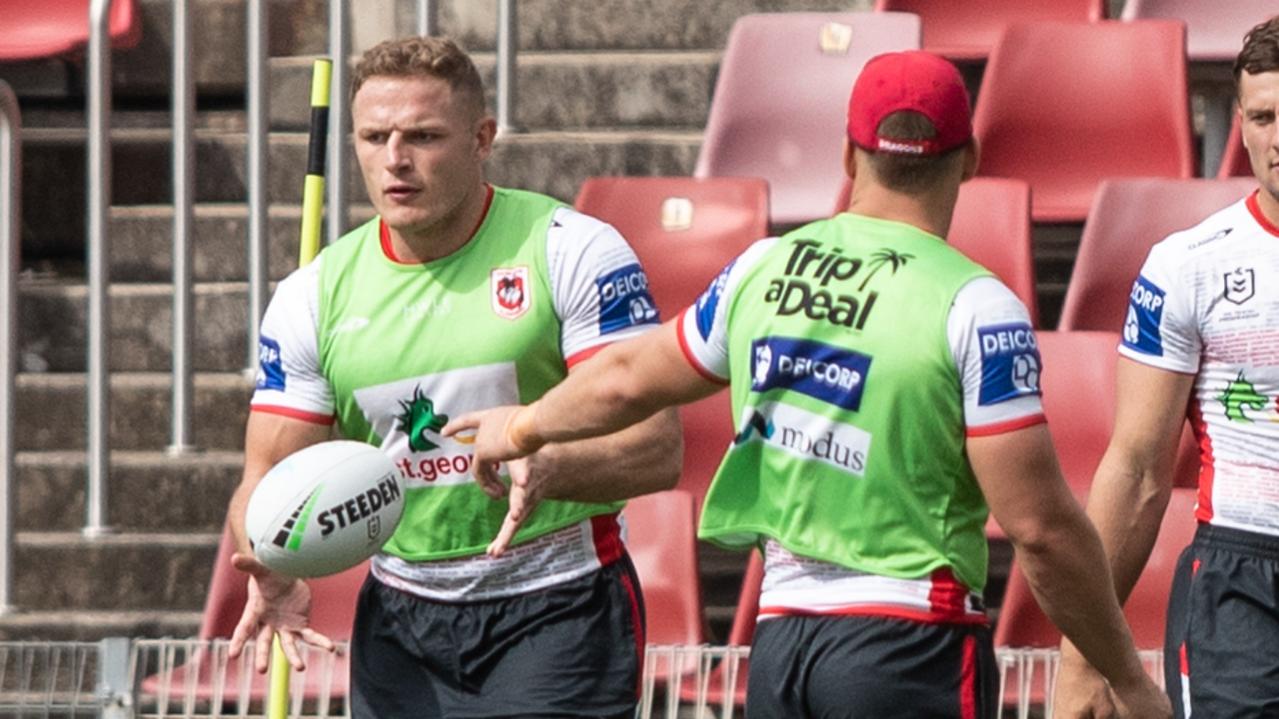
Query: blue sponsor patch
pixel 830 374
pixel 270 368
pixel 1010 363
pixel 709 301
pixel 624 299
pixel 1145 313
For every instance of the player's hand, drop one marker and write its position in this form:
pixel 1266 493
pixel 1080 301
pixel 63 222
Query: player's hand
pixel 497 439
pixel 276 605
pixel 528 485
pixel 1142 700
pixel 1081 692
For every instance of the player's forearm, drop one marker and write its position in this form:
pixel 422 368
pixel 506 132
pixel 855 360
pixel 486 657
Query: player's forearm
pixel 1064 565
pixel 646 457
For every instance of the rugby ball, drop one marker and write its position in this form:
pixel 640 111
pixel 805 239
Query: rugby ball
pixel 324 509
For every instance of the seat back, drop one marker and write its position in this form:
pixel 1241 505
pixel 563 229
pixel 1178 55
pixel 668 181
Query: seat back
pixel 38 29
pixel 991 226
pixel 1054 112
pixel 1127 218
pixel 1234 159
pixel 782 97
pixel 968 30
pixel 684 231
pixel 1078 385
pixel 1022 623
pixel 661 537
pixel 1214 31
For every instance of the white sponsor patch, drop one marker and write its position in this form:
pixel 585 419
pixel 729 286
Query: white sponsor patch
pixel 807 436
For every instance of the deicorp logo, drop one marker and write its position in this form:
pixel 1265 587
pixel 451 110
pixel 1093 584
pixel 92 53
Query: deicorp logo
pixel 1010 363
pixel 709 301
pixel 624 299
pixel 807 436
pixel 821 371
pixel 1145 312
pixel 270 366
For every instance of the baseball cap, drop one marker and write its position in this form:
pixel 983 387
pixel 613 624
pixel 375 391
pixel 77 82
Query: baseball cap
pixel 917 81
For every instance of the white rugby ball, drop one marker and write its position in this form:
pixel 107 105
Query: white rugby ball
pixel 324 509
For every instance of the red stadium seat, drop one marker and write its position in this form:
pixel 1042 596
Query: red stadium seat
pixel 661 537
pixel 37 29
pixel 1023 624
pixel 741 634
pixel 1054 112
pixel 782 97
pixel 1214 31
pixel 1128 217
pixel 968 30
pixel 684 231
pixel 1234 159
pixel 991 225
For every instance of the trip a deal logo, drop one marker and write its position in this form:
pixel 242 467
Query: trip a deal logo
pixel 826 285
pixel 831 374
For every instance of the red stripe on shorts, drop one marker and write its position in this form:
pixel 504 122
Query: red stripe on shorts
pixel 638 622
pixel 968 680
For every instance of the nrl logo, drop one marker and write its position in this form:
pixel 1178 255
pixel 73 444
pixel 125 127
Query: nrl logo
pixel 509 291
pixel 1240 285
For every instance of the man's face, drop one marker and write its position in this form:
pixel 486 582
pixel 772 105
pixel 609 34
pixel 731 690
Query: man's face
pixel 421 149
pixel 1258 105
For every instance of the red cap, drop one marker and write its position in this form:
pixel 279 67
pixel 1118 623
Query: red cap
pixel 917 81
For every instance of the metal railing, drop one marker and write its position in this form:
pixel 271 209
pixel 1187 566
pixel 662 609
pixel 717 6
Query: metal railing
pixel 10 257
pixel 183 225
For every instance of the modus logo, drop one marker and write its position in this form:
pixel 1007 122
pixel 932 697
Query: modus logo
pixel 806 436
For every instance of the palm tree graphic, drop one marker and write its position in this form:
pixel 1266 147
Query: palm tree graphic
pixel 880 258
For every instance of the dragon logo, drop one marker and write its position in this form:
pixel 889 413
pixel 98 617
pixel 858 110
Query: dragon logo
pixel 418 418
pixel 1240 394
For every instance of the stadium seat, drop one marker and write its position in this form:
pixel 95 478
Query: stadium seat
pixel 782 97
pixel 1234 159
pixel 1128 216
pixel 38 29
pixel 684 231
pixel 1022 623
pixel 968 30
pixel 661 537
pixel 741 634
pixel 1054 112
pixel 991 225
pixel 1214 31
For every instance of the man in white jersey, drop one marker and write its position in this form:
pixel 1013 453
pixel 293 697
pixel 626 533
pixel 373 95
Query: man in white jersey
pixel 457 297
pixel 883 383
pixel 1202 337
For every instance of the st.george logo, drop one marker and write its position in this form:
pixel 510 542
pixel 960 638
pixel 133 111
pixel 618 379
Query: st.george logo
pixel 510 291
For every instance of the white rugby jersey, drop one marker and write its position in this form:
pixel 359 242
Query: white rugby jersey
pixel 599 295
pixel 988 329
pixel 1207 303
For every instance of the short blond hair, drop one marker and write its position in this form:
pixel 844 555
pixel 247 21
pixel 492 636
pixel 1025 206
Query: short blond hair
pixel 430 56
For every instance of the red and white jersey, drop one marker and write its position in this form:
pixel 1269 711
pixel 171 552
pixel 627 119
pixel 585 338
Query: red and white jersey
pixel 1207 303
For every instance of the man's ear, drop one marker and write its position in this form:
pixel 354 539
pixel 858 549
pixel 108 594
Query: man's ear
pixel 485 131
pixel 972 158
pixel 850 160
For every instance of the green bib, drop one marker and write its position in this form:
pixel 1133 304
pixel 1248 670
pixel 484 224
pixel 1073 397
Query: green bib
pixel 407 346
pixel 850 410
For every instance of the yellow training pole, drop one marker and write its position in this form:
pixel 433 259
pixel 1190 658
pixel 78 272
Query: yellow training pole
pixel 312 214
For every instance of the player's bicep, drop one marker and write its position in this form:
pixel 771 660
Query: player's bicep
pixel 1020 478
pixel 290 382
pixel 1160 326
pixel 1150 410
pixel 996 354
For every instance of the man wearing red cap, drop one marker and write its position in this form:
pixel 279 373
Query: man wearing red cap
pixel 883 383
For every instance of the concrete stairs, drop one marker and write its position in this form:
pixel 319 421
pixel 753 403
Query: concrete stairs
pixel 605 87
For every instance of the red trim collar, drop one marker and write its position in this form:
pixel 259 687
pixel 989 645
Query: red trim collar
pixel 388 248
pixel 1254 206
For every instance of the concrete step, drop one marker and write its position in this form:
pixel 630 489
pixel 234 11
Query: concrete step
pixel 149 491
pixel 94 624
pixel 51 411
pixel 555 163
pixel 141 333
pixel 67 571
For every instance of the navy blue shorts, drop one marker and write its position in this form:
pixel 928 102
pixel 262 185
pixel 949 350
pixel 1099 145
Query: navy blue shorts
pixel 865 667
pixel 572 650
pixel 1221 648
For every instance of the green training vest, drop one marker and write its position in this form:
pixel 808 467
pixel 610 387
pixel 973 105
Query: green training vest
pixel 849 405
pixel 405 347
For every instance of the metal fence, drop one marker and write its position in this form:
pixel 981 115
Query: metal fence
pixel 195 679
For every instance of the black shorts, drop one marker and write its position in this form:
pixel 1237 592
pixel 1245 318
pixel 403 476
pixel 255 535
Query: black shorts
pixel 860 667
pixel 1221 648
pixel 572 650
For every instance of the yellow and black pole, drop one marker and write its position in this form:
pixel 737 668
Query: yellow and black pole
pixel 309 247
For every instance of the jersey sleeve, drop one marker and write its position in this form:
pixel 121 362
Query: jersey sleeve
pixel 703 327
pixel 997 355
pixel 1160 327
pixel 600 290
pixel 289 380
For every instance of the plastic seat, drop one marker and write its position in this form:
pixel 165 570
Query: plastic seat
pixel 1214 31
pixel 1234 159
pixel 1127 218
pixel 1054 112
pixel 991 225
pixel 782 97
pixel 684 231
pixel 741 634
pixel 38 29
pixel 1023 624
pixel 968 30
pixel 661 537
